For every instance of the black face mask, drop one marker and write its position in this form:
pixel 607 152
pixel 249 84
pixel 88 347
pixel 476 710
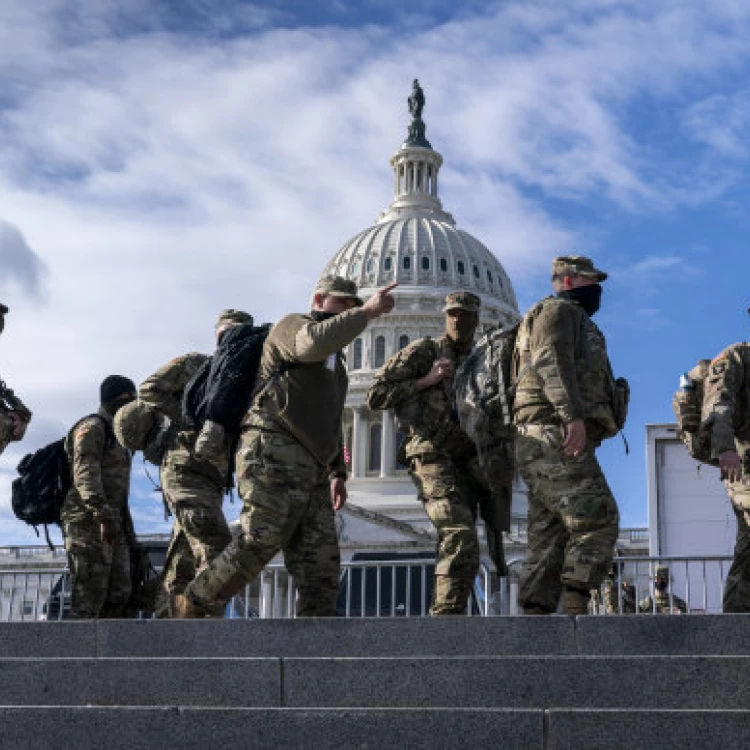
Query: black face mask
pixel 320 315
pixel 588 297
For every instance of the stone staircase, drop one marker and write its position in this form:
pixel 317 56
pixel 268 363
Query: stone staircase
pixel 557 682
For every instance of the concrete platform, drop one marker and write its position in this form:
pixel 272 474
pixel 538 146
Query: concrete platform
pixel 419 636
pixel 140 682
pixel 647 730
pixel 50 728
pixel 198 729
pixel 681 682
pixel 700 682
pixel 664 634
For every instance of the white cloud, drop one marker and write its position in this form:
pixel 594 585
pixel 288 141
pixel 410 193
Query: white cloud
pixel 722 122
pixel 161 174
pixel 655 264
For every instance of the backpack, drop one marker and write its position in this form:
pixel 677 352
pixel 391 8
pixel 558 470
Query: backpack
pixel 483 388
pixel 38 493
pixel 222 389
pixel 687 405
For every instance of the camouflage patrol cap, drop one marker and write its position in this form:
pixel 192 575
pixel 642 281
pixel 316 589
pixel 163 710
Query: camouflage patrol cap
pixel 231 317
pixel 576 265
pixel 662 571
pixel 133 423
pixel 462 301
pixel 338 286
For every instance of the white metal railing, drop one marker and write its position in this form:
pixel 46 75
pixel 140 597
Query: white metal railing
pixel 697 581
pixel 38 594
pixel 396 588
pixel 367 588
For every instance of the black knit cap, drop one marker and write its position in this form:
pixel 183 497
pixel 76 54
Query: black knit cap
pixel 115 385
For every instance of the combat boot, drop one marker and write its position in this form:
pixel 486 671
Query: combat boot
pixel 575 601
pixel 183 608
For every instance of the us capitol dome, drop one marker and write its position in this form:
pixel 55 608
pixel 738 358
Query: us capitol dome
pixel 415 242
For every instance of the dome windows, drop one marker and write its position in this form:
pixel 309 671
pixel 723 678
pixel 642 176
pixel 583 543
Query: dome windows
pixel 407 263
pixel 444 265
pixel 357 355
pixel 387 263
pixel 403 341
pixel 370 265
pixel 476 272
pixel 460 267
pixel 425 263
pixel 489 275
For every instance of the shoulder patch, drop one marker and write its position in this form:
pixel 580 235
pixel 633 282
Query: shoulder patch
pixel 85 427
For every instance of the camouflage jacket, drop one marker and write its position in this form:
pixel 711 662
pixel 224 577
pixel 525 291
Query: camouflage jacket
pixel 163 391
pixel 620 601
pixel 726 400
pixel 664 605
pixel 100 468
pixel 427 416
pixel 305 379
pixel 563 369
pixel 10 403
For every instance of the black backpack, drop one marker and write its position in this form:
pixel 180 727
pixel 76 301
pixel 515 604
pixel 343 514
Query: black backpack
pixel 39 492
pixel 222 388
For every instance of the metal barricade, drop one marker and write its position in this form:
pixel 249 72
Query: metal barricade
pixel 695 585
pixel 42 594
pixel 403 588
pixel 367 588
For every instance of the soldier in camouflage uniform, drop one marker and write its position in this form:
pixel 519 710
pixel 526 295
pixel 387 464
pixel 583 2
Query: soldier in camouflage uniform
pixel 95 513
pixel 616 603
pixel 193 487
pixel 442 459
pixel 14 416
pixel 663 601
pixel 290 468
pixel 563 409
pixel 726 412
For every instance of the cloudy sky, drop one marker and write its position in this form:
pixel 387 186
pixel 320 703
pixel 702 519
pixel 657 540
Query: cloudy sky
pixel 163 159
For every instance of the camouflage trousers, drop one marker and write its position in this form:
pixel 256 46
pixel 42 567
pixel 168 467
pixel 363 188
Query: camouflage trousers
pixel 200 530
pixel 287 507
pixel 100 573
pixel 573 520
pixel 451 492
pixel 737 587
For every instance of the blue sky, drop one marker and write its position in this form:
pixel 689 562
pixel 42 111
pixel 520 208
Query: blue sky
pixel 162 160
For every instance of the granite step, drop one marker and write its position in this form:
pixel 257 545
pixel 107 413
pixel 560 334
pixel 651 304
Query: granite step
pixel 639 682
